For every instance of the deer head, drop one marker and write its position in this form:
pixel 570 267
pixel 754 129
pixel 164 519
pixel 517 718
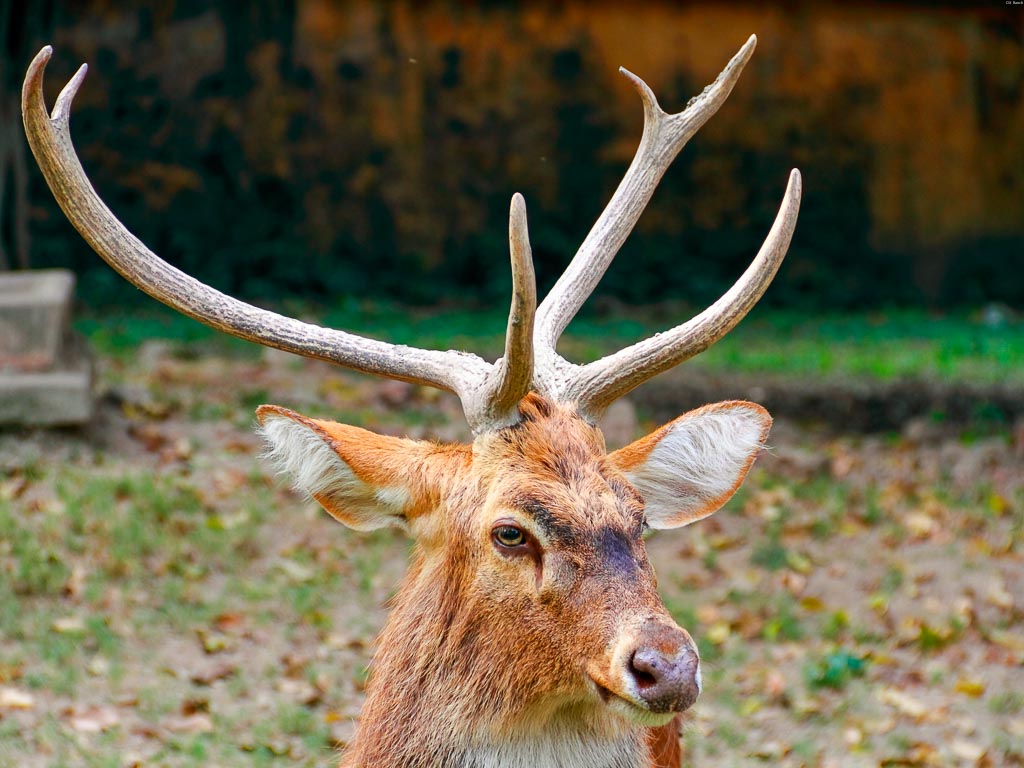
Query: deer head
pixel 528 629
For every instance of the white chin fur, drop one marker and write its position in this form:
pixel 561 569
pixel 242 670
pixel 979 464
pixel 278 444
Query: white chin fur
pixel 639 715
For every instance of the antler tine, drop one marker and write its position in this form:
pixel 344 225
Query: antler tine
pixel 598 384
pixel 512 376
pixel 663 137
pixel 50 140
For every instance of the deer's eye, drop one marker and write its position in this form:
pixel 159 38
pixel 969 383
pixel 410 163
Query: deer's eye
pixel 509 536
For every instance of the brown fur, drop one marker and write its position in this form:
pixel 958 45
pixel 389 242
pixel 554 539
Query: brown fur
pixel 666 751
pixel 484 648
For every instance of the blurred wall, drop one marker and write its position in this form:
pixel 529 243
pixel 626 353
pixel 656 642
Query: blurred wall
pixel 325 148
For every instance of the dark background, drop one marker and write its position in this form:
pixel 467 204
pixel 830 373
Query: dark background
pixel 331 150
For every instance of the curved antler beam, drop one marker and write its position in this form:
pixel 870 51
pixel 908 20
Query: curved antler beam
pixel 663 137
pixel 490 393
pixel 596 385
pixel 50 139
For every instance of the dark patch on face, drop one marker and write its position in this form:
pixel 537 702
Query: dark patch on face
pixel 615 551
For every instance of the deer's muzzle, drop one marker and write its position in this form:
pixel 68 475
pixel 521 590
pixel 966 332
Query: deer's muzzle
pixel 653 675
pixel 665 670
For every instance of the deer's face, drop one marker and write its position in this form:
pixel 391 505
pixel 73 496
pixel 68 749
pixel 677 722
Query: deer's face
pixel 559 540
pixel 531 576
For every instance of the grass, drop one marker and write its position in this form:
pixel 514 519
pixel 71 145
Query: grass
pixel 877 345
pixel 134 573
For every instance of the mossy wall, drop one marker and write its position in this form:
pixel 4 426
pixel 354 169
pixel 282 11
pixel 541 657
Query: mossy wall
pixel 333 149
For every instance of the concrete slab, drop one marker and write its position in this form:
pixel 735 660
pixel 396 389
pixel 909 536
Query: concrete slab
pixel 35 307
pixel 59 397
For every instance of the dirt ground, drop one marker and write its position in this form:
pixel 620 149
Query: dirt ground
pixel 168 602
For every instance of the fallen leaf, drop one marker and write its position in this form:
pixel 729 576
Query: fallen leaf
pixel 9 672
pixel 301 691
pixel 775 684
pixel 968 751
pixel 192 706
pixel 972 688
pixel 853 737
pixel 917 754
pixel 69 625
pixel 1011 641
pixel 230 622
pixel 213 673
pixel 920 525
pixel 998 596
pixel 213 642
pixel 812 604
pixel 199 722
pixel 296 571
pixel 771 750
pixel 903 702
pixel 94 719
pixel 798 561
pixel 718 633
pixel 15 698
pixel 76 582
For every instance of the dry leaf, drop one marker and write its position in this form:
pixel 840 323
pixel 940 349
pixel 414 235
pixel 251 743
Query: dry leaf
pixel 15 698
pixel 718 632
pixel 69 625
pixel 93 719
pixel 998 596
pixel 972 688
pixel 213 673
pixel 920 525
pixel 903 702
pixel 9 672
pixel 968 751
pixel 301 691
pixel 214 642
pixel 199 722
pixel 775 684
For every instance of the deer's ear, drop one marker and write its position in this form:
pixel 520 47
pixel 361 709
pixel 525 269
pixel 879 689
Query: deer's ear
pixel 363 479
pixel 691 466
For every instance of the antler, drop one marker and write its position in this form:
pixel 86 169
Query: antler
pixel 594 386
pixel 489 393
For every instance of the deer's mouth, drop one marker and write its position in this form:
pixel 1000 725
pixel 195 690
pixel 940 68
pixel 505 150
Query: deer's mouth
pixel 629 708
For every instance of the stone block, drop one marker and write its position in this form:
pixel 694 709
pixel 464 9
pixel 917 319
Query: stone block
pixel 61 396
pixel 35 308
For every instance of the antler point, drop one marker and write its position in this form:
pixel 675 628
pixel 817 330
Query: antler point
pixel 796 181
pixel 62 108
pixel 35 69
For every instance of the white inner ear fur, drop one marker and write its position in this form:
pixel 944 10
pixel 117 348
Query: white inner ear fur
pixel 315 469
pixel 692 470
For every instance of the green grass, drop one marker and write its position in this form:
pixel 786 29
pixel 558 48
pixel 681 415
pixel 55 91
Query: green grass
pixel 120 567
pixel 878 345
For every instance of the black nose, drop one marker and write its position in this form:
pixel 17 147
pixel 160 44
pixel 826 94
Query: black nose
pixel 666 669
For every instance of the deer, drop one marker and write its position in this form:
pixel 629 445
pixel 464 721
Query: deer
pixel 528 629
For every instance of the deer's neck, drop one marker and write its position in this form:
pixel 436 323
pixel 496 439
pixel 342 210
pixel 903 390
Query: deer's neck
pixel 555 749
pixel 447 691
pixel 563 750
